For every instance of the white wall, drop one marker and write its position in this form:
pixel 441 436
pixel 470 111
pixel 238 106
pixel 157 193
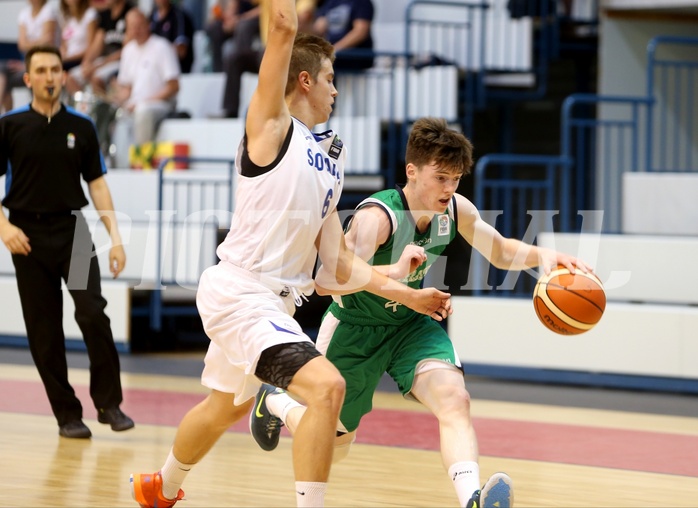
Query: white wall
pixel 649 4
pixel 635 339
pixel 9 11
pixel 118 309
pixel 660 204
pixel 623 51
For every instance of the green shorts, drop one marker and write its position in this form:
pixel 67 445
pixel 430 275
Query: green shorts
pixel 363 353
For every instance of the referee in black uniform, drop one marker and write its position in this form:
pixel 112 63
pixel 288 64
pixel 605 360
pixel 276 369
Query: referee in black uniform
pixel 45 149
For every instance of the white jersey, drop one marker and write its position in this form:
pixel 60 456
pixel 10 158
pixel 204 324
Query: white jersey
pixel 278 214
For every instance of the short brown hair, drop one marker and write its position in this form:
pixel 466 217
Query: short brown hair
pixel 41 49
pixel 308 52
pixel 432 141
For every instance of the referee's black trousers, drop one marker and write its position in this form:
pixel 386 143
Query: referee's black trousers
pixel 62 249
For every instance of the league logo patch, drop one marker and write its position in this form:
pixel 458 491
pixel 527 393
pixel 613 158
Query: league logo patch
pixel 336 148
pixel 444 225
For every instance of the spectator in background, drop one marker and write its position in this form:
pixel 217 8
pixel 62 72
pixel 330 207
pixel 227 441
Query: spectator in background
pixel 174 24
pixel 148 82
pixel 79 22
pixel 101 61
pixel 246 57
pixel 222 25
pixel 38 26
pixel 347 24
pixel 197 11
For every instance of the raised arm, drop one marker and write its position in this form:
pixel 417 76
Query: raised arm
pixel 268 117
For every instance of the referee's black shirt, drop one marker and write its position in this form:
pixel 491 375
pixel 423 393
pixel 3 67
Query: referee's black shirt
pixel 43 161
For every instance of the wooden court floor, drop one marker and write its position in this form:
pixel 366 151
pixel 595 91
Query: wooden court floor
pixel 558 456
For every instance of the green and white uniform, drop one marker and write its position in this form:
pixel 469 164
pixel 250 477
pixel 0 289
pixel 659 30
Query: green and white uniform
pixel 365 335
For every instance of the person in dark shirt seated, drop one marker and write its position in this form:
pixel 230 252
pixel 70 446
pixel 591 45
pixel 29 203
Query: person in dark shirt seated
pixel 347 24
pixel 174 24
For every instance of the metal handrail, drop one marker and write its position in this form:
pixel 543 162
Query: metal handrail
pixel 156 307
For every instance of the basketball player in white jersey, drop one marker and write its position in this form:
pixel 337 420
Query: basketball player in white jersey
pixel 289 182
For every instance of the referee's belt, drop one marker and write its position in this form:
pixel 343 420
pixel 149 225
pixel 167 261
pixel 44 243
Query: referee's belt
pixel 22 215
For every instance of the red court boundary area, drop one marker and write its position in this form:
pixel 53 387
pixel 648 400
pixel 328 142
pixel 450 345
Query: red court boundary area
pixel 655 452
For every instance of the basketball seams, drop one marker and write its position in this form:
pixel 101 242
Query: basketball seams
pixel 550 307
pixel 576 293
pixel 551 322
pixel 559 313
pixel 567 330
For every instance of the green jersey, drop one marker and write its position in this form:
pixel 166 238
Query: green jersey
pixel 369 309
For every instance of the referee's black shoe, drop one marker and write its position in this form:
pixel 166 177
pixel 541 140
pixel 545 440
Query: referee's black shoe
pixel 116 418
pixel 75 430
pixel 264 426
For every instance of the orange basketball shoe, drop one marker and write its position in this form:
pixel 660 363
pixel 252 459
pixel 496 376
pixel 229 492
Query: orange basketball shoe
pixel 146 490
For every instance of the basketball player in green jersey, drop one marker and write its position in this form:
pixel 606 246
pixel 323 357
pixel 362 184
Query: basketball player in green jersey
pixel 401 232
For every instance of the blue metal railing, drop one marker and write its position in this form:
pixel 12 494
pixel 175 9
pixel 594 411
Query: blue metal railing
pixel 566 184
pixel 601 145
pixel 523 183
pixel 524 193
pixel 672 77
pixel 178 195
pixel 602 138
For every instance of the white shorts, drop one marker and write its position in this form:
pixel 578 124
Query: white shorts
pixel 242 317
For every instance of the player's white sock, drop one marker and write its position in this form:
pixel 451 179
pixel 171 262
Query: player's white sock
pixel 173 474
pixel 279 404
pixel 466 479
pixel 310 494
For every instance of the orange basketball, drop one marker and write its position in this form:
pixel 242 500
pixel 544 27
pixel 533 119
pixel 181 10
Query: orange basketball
pixel 569 304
